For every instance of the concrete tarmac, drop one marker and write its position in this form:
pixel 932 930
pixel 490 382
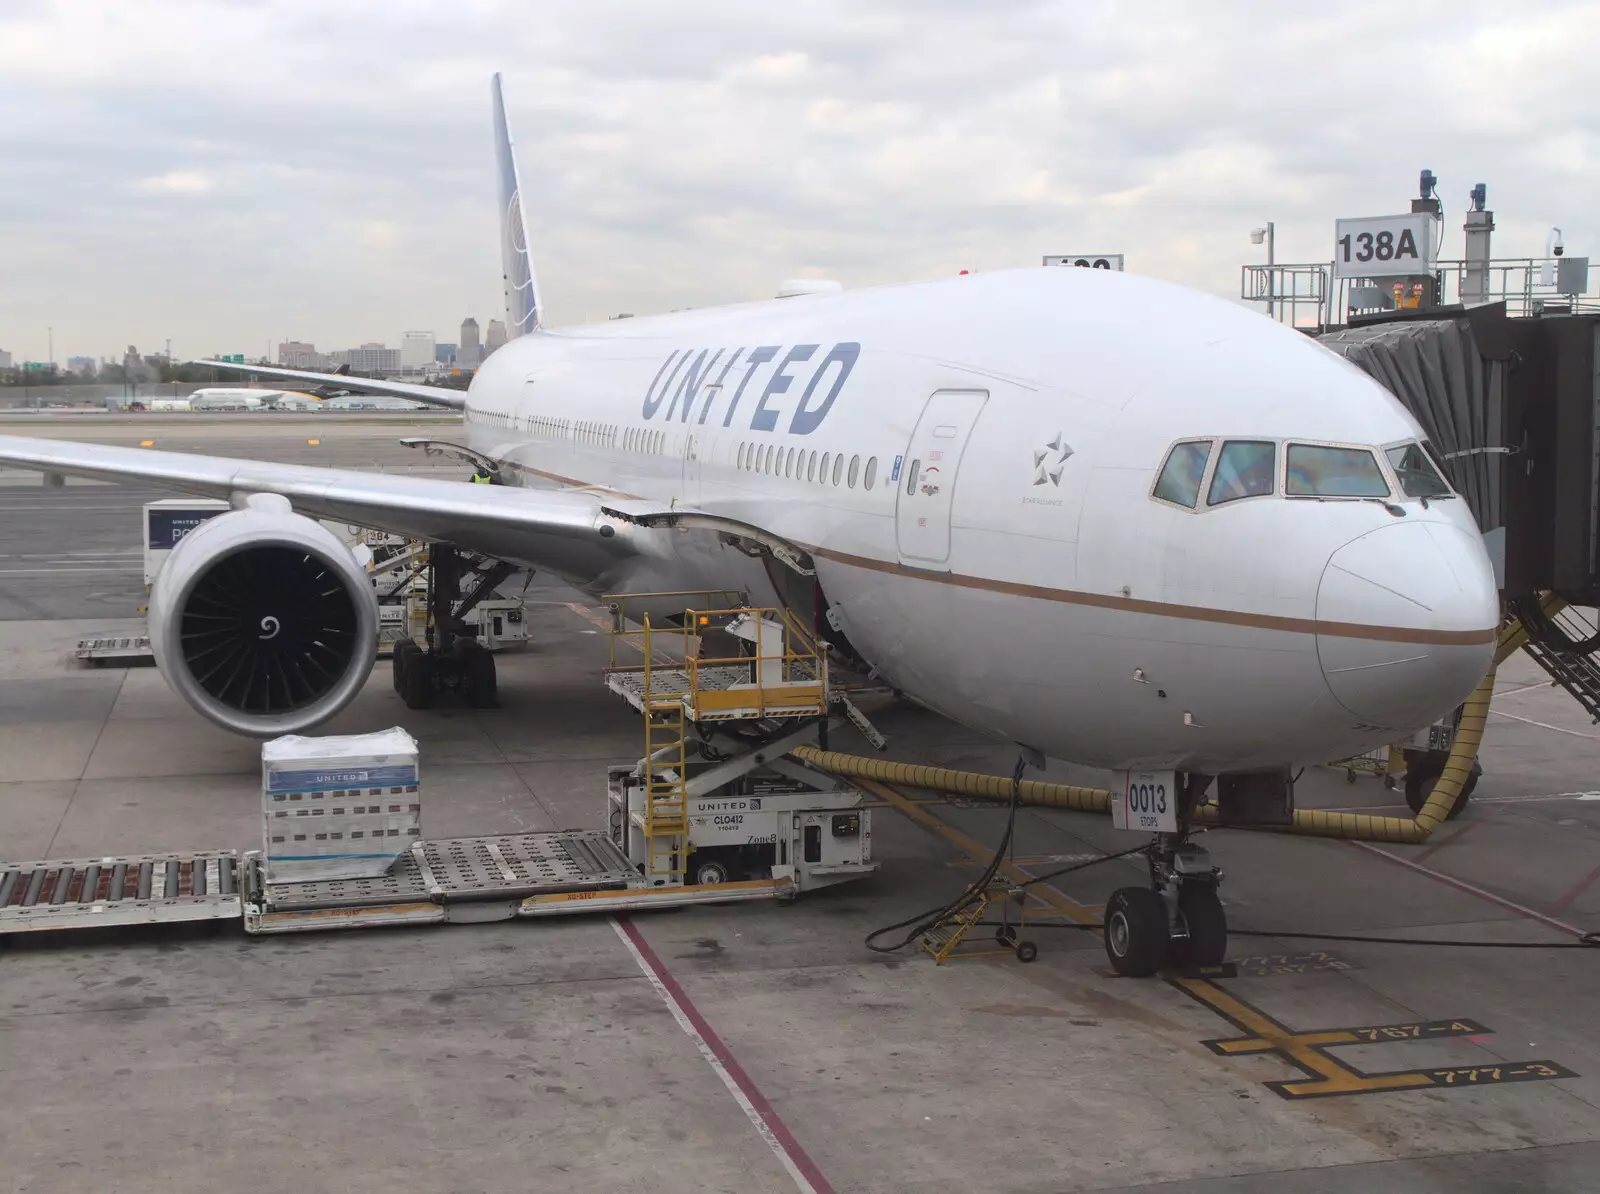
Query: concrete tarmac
pixel 542 1056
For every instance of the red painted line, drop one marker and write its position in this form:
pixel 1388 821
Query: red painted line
pixel 1582 886
pixel 1434 847
pixel 736 1072
pixel 1549 922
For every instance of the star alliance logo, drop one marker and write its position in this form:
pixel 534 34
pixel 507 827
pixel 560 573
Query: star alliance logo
pixel 1051 460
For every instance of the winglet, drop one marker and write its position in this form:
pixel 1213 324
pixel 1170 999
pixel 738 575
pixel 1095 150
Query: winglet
pixel 522 292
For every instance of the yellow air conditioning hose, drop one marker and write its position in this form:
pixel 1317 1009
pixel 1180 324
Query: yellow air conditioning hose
pixel 1312 822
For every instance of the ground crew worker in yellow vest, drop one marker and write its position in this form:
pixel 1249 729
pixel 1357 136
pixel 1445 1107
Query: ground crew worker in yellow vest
pixel 483 477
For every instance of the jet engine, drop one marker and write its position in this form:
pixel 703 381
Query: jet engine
pixel 263 620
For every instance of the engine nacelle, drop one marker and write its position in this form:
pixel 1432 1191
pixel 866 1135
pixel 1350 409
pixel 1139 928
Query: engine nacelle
pixel 263 620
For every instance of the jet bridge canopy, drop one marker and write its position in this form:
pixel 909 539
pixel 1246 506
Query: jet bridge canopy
pixel 1513 407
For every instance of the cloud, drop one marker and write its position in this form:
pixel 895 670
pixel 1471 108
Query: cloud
pixel 380 235
pixel 688 154
pixel 177 182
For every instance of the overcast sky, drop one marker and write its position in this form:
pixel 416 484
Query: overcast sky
pixel 231 172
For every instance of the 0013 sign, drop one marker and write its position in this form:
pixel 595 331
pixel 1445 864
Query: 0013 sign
pixel 1385 246
pixel 1147 800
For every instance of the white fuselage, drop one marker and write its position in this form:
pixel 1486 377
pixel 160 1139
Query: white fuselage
pixel 232 398
pixel 1008 564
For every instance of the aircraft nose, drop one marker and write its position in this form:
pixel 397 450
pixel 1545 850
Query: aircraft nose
pixel 1406 622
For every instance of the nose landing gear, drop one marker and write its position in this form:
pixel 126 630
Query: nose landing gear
pixel 1178 919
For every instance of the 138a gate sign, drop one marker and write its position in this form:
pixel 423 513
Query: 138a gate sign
pixel 1385 246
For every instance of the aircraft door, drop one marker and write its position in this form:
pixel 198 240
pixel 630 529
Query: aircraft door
pixel 926 478
pixel 693 445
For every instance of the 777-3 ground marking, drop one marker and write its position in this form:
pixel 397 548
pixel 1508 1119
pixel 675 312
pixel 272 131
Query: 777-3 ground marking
pixel 1327 1075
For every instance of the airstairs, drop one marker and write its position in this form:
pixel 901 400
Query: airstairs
pixel 1564 645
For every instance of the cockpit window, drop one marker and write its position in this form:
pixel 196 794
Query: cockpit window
pixel 1179 481
pixel 1317 471
pixel 1245 468
pixel 1413 466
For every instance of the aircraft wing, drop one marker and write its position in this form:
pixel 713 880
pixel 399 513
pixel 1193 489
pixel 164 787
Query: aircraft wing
pixel 432 395
pixel 579 535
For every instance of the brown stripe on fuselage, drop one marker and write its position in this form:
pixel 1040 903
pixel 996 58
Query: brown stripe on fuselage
pixel 1163 609
pixel 1127 605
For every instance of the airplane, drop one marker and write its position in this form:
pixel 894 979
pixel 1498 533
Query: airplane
pixel 1109 518
pixel 368 402
pixel 235 398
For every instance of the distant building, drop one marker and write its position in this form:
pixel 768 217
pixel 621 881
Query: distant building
pixel 297 354
pixel 470 352
pixel 369 358
pixel 82 366
pixel 134 367
pixel 444 354
pixel 496 337
pixel 5 359
pixel 416 350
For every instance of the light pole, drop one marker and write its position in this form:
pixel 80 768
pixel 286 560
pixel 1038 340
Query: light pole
pixel 1268 233
pixel 51 332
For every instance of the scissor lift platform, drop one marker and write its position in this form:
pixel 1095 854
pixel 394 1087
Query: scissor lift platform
pixel 718 693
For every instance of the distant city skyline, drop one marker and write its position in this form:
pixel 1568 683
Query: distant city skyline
pixel 112 346
pixel 418 351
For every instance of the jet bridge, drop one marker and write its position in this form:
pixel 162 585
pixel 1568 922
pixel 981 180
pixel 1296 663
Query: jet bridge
pixel 1512 406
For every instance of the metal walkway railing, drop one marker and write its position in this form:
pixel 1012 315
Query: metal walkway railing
pixel 1564 643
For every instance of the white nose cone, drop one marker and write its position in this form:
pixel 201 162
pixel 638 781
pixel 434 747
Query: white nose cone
pixel 1406 622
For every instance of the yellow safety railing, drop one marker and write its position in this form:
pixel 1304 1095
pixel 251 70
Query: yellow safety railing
pixel 786 678
pixel 630 607
pixel 783 681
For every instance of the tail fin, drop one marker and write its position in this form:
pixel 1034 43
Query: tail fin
pixel 522 292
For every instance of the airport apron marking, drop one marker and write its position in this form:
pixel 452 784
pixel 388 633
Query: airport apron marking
pixel 1268 965
pixel 1307 1051
pixel 1327 1075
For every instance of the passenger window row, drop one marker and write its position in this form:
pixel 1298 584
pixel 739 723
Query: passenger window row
pixel 1243 468
pixel 596 435
pixel 544 428
pixel 583 431
pixel 642 439
pixel 775 460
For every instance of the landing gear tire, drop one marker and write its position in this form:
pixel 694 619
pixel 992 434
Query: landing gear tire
pixel 1027 951
pixel 705 870
pixel 479 672
pixel 1206 924
pixel 1419 786
pixel 1136 933
pixel 418 689
pixel 404 649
